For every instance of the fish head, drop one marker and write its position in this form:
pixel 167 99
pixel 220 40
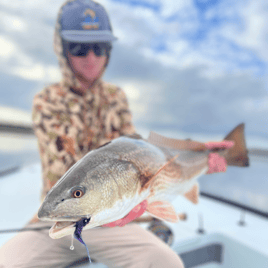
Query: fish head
pixel 95 191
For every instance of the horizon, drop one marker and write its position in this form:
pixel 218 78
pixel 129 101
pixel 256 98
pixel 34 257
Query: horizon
pixel 23 119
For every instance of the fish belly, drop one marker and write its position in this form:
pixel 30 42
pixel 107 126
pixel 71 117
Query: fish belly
pixel 120 209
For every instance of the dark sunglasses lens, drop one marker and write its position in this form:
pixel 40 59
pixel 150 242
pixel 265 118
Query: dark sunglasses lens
pixel 77 49
pixel 81 50
pixel 99 49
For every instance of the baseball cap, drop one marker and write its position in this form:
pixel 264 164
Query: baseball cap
pixel 85 21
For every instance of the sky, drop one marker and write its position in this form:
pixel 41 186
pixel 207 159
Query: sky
pixel 194 66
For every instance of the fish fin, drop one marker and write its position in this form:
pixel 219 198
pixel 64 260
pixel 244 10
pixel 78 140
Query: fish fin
pixel 162 141
pixel 162 210
pixel 146 185
pixel 193 194
pixel 238 154
pixel 134 136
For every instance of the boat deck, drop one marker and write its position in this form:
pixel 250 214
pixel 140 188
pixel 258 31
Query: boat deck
pixel 229 242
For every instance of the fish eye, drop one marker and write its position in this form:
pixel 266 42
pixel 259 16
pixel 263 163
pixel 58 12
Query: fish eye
pixel 78 192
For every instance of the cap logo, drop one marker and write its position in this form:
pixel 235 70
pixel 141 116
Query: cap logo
pixel 91 21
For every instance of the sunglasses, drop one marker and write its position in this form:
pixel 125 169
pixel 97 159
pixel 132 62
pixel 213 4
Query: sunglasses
pixel 82 49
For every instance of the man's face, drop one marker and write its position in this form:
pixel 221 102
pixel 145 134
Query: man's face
pixel 88 67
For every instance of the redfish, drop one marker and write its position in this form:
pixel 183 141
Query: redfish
pixel 107 183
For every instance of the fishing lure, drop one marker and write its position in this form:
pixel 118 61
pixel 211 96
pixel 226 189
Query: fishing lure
pixel 77 233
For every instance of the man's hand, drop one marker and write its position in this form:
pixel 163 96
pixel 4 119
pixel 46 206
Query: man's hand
pixel 132 215
pixel 216 162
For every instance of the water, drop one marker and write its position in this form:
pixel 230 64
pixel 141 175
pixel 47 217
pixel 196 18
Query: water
pixel 247 185
pixel 11 160
pixel 17 150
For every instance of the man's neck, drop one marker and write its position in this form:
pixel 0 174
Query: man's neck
pixel 86 85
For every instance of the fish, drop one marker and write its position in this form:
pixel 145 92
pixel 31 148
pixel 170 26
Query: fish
pixel 108 182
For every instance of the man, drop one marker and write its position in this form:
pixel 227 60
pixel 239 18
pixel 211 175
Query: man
pixel 70 118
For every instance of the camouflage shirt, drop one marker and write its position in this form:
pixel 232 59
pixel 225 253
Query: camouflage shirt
pixel 68 125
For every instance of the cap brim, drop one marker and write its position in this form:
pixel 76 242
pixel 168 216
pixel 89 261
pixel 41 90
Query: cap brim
pixel 88 36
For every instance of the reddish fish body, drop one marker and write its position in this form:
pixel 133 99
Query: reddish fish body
pixel 109 182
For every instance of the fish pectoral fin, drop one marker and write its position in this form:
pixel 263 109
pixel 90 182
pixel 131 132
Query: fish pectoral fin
pixel 150 181
pixel 193 194
pixel 162 210
pixel 162 141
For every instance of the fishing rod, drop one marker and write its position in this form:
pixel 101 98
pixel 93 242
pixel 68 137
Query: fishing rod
pixel 145 219
pixel 23 229
pixel 235 204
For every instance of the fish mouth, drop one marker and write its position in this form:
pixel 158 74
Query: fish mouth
pixel 63 228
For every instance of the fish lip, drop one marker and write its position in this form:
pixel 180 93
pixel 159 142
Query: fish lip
pixel 64 218
pixel 61 227
pixel 58 230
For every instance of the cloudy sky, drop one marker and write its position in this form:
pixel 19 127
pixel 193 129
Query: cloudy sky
pixel 194 66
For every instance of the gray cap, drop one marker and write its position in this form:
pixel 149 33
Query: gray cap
pixel 85 21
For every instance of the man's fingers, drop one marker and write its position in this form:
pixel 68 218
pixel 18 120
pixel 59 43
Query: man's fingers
pixel 136 212
pixel 216 163
pixel 219 144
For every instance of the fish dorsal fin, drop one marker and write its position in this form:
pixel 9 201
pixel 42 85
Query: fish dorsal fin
pixel 162 141
pixel 193 194
pixel 134 136
pixel 162 210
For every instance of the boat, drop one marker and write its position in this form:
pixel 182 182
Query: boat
pixel 218 232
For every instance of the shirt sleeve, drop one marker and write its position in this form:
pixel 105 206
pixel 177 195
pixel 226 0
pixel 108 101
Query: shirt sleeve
pixel 56 147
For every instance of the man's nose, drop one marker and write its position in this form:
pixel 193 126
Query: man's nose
pixel 91 55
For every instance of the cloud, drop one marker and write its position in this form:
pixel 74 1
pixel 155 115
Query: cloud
pixel 35 9
pixel 7 48
pixel 22 65
pixel 258 105
pixel 13 22
pixel 251 30
pixel 186 99
pixel 38 72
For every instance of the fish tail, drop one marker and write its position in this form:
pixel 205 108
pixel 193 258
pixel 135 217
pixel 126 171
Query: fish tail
pixel 238 154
